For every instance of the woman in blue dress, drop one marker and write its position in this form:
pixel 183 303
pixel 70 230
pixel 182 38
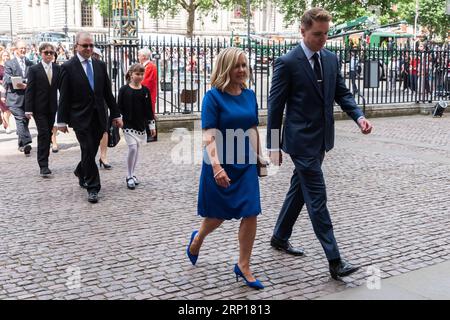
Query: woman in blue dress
pixel 229 185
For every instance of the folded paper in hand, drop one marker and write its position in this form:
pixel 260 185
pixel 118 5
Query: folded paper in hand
pixel 15 81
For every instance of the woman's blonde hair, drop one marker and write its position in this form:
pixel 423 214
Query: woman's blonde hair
pixel 1 56
pixel 226 60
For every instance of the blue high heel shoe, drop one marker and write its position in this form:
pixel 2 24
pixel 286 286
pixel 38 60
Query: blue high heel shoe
pixel 254 284
pixel 192 257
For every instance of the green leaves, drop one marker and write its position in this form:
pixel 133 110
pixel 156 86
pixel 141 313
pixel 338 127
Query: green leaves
pixel 431 15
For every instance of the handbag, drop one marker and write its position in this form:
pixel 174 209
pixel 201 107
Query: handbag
pixel 113 135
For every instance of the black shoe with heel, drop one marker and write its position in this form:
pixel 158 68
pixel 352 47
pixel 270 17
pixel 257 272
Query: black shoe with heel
pixel 106 166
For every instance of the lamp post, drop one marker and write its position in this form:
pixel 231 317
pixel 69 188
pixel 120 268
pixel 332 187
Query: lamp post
pixel 415 20
pixel 10 22
pixel 109 20
pixel 65 29
pixel 248 26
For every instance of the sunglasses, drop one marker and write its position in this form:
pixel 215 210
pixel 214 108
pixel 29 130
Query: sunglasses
pixel 85 46
pixel 48 53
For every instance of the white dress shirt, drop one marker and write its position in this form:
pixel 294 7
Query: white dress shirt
pixel 22 65
pixel 83 63
pixel 309 54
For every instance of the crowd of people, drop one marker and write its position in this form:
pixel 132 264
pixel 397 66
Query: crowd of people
pixel 420 72
pixel 41 85
pixel 32 55
pixel 306 82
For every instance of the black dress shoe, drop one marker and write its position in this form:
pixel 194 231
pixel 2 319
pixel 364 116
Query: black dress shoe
pixel 286 247
pixel 341 268
pixel 27 150
pixel 45 172
pixel 93 197
pixel 105 165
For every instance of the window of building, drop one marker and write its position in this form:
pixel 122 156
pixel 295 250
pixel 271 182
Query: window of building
pixel 107 22
pixel 86 14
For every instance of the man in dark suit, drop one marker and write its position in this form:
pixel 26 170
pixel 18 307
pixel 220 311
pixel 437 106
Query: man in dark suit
pixel 306 81
pixel 15 97
pixel 41 101
pixel 85 87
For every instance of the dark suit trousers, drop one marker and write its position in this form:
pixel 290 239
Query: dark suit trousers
pixel 21 125
pixel 44 124
pixel 308 186
pixel 89 140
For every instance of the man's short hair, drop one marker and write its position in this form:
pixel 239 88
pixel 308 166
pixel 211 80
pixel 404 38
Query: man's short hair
pixel 16 43
pixel 82 34
pixel 315 14
pixel 145 52
pixel 45 45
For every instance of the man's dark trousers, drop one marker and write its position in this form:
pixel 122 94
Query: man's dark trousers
pixel 89 140
pixel 44 125
pixel 22 130
pixel 308 186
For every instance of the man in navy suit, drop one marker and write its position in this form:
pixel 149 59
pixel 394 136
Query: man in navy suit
pixel 305 82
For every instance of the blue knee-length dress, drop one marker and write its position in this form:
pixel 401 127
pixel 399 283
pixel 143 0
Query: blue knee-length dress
pixel 233 116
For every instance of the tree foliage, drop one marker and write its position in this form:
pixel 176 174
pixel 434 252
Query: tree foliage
pixel 431 14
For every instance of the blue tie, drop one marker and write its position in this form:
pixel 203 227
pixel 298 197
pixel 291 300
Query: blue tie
pixel 90 74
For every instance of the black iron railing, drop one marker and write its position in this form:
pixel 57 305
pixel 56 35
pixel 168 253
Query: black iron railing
pixel 184 70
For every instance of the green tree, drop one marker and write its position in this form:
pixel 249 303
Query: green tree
pixel 342 10
pixel 163 8
pixel 431 13
pixel 432 16
pixel 169 8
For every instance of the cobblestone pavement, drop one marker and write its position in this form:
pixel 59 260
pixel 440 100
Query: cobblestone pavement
pixel 388 194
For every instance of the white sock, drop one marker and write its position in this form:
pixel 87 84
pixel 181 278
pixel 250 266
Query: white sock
pixel 131 159
pixel 136 158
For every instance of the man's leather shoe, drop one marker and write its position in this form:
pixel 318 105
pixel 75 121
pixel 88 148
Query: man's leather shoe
pixel 286 247
pixel 341 268
pixel 93 197
pixel 27 150
pixel 45 172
